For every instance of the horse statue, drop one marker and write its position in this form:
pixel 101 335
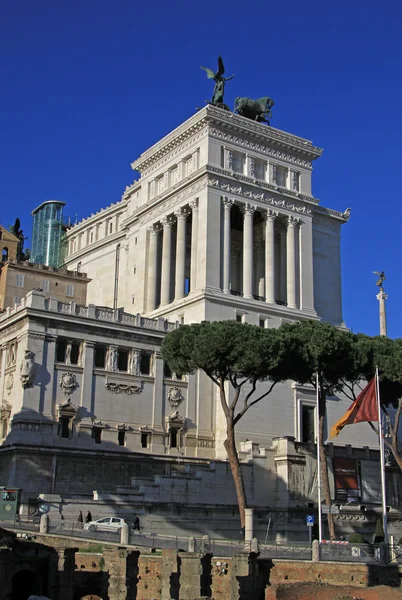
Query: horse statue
pixel 257 110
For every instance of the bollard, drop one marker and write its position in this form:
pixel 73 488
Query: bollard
pixel 44 524
pixel 191 544
pixel 384 555
pixel 248 530
pixel 254 545
pixel 124 535
pixel 205 544
pixel 315 554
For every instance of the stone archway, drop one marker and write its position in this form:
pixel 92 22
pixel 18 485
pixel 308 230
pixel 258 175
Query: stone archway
pixel 25 583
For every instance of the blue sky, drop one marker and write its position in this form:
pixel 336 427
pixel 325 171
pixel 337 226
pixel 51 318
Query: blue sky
pixel 87 85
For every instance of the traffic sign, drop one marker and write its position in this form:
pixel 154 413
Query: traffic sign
pixel 310 520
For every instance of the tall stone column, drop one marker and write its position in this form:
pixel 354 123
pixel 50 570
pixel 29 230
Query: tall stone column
pixel 227 205
pixel 152 275
pixel 87 376
pixel 248 211
pixel 181 216
pixel 194 244
pixel 167 223
pixel 291 261
pixel 306 266
pixel 260 271
pixel 270 217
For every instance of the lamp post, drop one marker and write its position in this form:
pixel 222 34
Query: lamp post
pixel 381 297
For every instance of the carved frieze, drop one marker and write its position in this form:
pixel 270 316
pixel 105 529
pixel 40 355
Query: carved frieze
pixel 119 387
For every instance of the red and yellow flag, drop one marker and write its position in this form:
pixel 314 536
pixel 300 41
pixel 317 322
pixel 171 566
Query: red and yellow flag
pixel 364 408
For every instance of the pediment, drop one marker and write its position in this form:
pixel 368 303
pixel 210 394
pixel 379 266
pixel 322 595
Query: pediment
pixel 175 419
pixel 7 236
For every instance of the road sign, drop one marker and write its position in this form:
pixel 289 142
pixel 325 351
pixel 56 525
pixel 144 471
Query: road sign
pixel 310 520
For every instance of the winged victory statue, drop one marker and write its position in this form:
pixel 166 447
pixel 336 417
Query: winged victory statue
pixel 219 89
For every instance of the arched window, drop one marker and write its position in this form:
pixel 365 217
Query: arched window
pixel 4 254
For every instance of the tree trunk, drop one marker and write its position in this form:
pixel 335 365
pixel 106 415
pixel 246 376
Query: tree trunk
pixel 230 446
pixel 324 466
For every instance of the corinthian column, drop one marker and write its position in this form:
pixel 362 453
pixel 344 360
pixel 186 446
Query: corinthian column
pixel 167 223
pixel 291 261
pixel 152 273
pixel 248 211
pixel 181 216
pixel 194 243
pixel 227 205
pixel 270 217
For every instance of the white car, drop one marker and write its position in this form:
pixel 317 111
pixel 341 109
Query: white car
pixel 112 524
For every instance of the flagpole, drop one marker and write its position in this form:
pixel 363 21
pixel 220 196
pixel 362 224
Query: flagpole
pixel 382 459
pixel 318 460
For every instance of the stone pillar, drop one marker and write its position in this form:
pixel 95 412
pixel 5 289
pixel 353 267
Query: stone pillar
pixel 180 254
pixel 167 223
pixel 270 217
pixel 249 529
pixel 152 274
pixel 291 261
pixel 66 572
pixel 46 399
pixel 122 566
pixel 381 297
pixel 44 524
pixel 260 272
pixel 282 266
pixel 306 266
pixel 170 577
pixel 87 376
pixel 194 242
pixel 248 211
pixel 190 575
pixel 124 535
pixel 227 205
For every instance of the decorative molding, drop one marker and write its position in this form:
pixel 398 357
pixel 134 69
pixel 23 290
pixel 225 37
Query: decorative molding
pixel 249 193
pixel 270 215
pixel 123 427
pixel 9 383
pixel 27 370
pixel 68 382
pixel 118 387
pixel 99 424
pixel 175 397
pixel 66 409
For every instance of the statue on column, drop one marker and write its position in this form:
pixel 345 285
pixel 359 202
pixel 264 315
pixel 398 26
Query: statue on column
pixel 219 89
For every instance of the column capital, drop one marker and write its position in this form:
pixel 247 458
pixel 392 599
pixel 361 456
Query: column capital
pixel 293 221
pixel 167 221
pixel 227 202
pixel 181 213
pixel 248 209
pixel 194 204
pixel 270 215
pixel 154 228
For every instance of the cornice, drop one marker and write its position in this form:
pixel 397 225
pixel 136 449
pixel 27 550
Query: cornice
pixel 120 205
pixel 110 239
pixel 267 135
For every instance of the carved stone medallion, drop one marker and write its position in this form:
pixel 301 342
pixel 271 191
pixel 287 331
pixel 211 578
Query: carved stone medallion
pixel 175 397
pixel 9 383
pixel 68 382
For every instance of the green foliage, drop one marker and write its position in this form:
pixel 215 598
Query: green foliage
pixel 93 548
pixel 101 564
pixel 228 350
pixel 356 538
pixel 379 535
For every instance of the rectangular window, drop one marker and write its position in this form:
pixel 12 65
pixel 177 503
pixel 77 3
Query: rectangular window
pixel 100 357
pixel 61 347
pixel 122 360
pixel 239 318
pixel 134 270
pixel 308 427
pixel 20 280
pixel 111 228
pixel 45 285
pixel 65 427
pixel 173 438
pixel 75 353
pixel 144 440
pixel 132 299
pixel 262 322
pixel 70 290
pixel 97 435
pixel 121 436
pixel 145 364
pixel 281 176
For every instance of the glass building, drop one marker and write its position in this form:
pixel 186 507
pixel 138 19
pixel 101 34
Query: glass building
pixel 47 233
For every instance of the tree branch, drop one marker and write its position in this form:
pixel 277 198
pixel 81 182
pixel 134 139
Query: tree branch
pixel 350 388
pixel 246 407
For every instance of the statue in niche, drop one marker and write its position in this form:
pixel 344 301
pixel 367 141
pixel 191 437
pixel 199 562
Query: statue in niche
pixel 219 89
pixel 27 369
pixel 112 359
pixel 134 366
